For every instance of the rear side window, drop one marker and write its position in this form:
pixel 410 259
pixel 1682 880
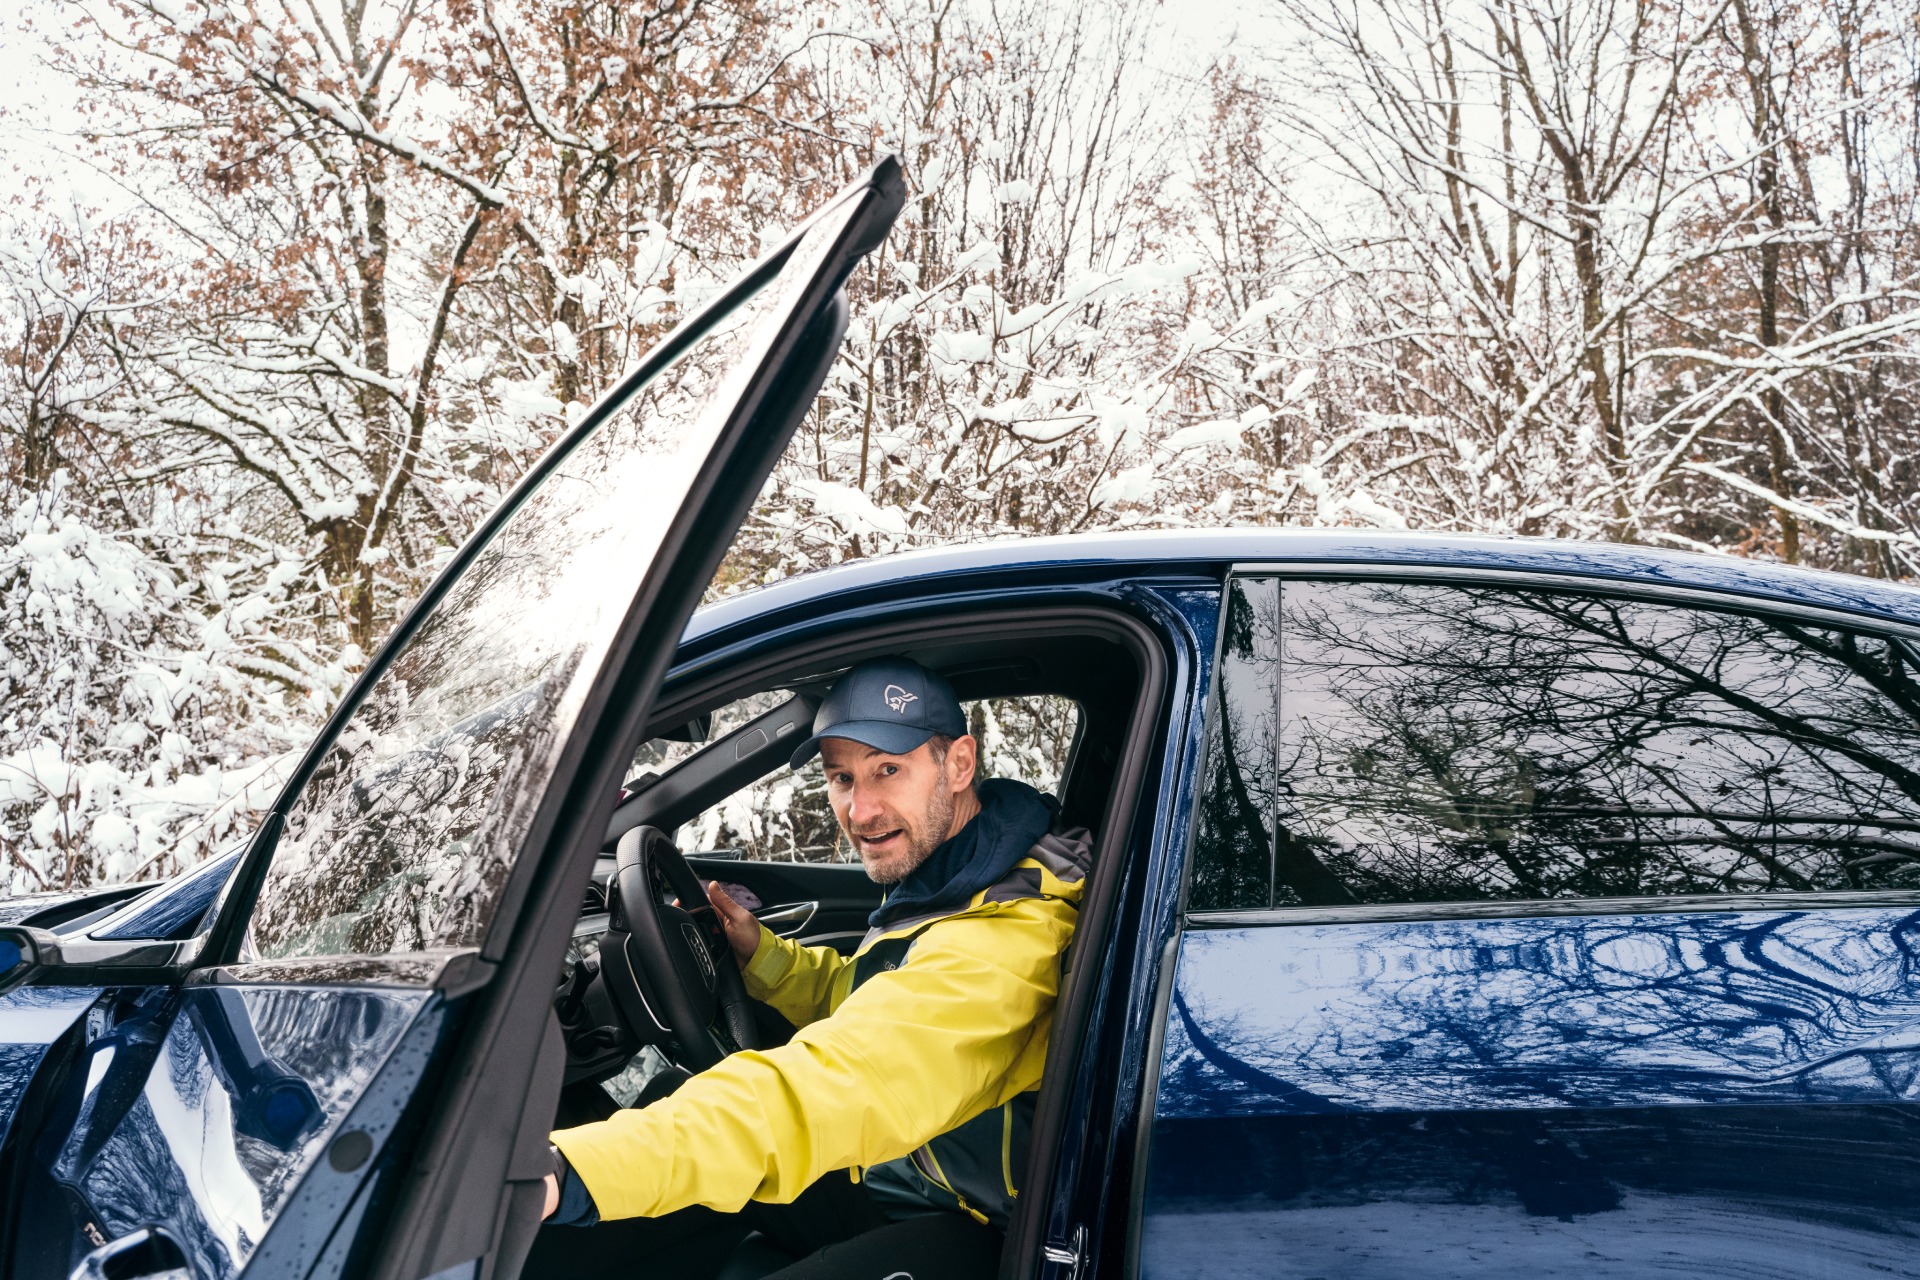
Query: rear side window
pixel 1446 743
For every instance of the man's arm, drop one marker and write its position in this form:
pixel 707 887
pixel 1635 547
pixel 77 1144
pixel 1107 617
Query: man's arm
pixel 958 1029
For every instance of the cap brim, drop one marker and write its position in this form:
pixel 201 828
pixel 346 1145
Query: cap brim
pixel 894 739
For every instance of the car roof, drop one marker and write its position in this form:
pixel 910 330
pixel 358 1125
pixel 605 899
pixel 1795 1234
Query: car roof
pixel 1210 552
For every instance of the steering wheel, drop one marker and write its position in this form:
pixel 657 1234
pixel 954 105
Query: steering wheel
pixel 669 968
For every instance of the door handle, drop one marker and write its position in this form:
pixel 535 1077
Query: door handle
pixel 147 1254
pixel 789 920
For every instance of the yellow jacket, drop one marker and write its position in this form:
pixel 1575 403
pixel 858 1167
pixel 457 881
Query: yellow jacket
pixel 885 1059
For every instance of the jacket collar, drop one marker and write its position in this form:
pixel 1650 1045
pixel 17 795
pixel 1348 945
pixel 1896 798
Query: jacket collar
pixel 1012 817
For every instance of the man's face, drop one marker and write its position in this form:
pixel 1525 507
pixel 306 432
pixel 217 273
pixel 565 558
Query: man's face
pixel 895 809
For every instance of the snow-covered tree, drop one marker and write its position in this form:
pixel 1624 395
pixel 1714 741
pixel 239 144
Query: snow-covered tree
pixel 1601 269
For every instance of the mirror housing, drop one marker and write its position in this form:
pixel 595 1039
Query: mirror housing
pixel 35 955
pixel 21 950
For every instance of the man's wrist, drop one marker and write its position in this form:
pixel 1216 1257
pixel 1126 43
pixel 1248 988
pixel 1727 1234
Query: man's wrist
pixel 572 1203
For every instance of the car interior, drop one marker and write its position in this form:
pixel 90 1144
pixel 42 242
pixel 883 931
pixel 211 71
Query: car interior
pixel 712 798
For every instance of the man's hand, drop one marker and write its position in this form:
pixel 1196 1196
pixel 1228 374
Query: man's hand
pixel 553 1197
pixel 743 931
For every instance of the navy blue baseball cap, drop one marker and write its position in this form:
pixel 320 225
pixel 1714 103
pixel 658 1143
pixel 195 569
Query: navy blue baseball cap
pixel 889 704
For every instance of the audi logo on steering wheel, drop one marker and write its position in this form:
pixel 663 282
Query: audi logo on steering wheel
pixel 700 954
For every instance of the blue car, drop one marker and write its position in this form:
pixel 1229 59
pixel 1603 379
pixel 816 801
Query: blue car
pixel 1460 906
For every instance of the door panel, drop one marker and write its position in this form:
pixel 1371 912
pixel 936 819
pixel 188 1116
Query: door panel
pixel 1691 1094
pixel 843 892
pixel 202 1112
pixel 480 1183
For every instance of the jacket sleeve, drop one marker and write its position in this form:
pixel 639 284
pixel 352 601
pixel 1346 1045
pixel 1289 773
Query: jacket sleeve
pixel 959 1028
pixel 798 981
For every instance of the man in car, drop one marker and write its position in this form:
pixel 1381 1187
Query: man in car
pixel 903 1104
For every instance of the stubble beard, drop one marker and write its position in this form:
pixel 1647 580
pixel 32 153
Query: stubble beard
pixel 923 838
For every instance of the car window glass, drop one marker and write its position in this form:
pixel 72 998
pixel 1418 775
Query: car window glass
pixel 785 817
pixel 405 833
pixel 1443 743
pixel 1233 841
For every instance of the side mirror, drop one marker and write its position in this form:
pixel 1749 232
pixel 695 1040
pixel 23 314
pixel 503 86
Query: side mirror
pixel 27 953
pixel 23 953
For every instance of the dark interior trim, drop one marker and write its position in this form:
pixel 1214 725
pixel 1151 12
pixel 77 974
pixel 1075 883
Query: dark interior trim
pixel 805 661
pixel 1027 1233
pixel 1679 904
pixel 727 764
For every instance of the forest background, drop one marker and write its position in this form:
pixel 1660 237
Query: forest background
pixel 291 291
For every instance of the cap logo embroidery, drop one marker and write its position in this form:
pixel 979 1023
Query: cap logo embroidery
pixel 898 698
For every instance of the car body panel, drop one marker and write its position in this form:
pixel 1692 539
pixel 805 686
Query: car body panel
pixel 45 910
pixel 32 1021
pixel 1805 1007
pixel 202 1111
pixel 1703 1094
pixel 172 909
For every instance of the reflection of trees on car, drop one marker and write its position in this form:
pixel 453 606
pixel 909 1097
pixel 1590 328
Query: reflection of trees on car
pixel 1603 1011
pixel 261 1077
pixel 1461 743
pixel 1234 812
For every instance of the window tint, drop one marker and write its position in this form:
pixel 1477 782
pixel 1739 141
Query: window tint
pixel 785 816
pixel 1233 836
pixel 404 836
pixel 1441 743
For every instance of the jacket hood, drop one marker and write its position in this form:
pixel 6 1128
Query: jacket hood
pixel 1012 817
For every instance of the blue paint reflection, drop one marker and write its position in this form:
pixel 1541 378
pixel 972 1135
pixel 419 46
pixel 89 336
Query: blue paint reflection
pixel 1654 1010
pixel 199 1111
pixel 31 1019
pixel 1736 1192
pixel 1703 1095
pixel 174 910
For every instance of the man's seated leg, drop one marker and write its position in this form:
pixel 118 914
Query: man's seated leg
pixel 833 1209
pixel 934 1246
pixel 691 1244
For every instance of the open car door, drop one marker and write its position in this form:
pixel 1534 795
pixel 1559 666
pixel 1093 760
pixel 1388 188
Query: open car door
pixel 349 1066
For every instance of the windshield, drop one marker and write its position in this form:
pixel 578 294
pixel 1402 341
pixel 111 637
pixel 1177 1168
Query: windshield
pixel 404 835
